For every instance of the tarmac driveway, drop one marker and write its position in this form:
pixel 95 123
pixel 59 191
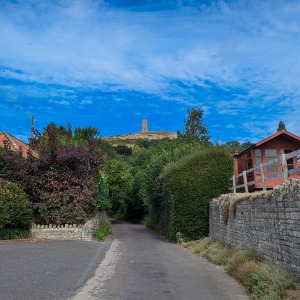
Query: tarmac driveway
pixel 45 270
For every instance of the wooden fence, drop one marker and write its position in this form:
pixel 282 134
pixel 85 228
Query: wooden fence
pixel 286 173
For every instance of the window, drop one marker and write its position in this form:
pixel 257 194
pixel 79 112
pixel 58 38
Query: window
pixel 290 161
pixel 271 154
pixel 257 153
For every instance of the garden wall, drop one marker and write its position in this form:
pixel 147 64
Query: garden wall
pixel 267 222
pixel 68 232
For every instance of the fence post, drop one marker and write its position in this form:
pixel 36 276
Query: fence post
pixel 233 184
pixel 263 181
pixel 284 168
pixel 245 181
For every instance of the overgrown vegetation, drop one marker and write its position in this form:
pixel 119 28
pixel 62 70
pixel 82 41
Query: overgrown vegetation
pixel 15 207
pixel 185 188
pixel 166 183
pixel 262 279
pixel 103 231
pixel 14 233
pixel 171 181
pixel 60 177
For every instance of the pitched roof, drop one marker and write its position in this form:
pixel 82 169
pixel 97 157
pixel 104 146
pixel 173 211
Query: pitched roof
pixel 287 134
pixel 14 143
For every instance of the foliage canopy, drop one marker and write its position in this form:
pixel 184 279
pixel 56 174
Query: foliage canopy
pixel 61 180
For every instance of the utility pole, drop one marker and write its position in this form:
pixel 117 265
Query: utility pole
pixel 32 125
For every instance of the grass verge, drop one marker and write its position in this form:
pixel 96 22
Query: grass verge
pixel 103 231
pixel 264 280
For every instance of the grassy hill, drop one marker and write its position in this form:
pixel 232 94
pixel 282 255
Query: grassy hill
pixel 131 138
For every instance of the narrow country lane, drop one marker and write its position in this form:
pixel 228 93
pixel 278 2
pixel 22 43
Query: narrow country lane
pixel 141 265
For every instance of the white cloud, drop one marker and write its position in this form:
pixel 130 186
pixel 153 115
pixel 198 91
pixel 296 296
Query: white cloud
pixel 253 46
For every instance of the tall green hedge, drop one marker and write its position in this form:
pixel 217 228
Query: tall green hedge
pixel 15 208
pixel 186 187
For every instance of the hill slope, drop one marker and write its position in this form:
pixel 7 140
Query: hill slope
pixel 130 139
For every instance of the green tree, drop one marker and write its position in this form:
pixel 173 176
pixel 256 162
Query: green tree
pixel 194 127
pixel 281 126
pixel 86 133
pixel 236 147
pixel 120 180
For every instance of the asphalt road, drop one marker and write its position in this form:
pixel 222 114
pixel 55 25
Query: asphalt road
pixel 140 265
pixel 47 270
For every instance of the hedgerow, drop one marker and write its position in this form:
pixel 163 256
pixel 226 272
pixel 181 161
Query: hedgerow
pixel 185 189
pixel 150 183
pixel 15 208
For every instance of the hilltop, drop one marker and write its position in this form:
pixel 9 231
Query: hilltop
pixel 131 138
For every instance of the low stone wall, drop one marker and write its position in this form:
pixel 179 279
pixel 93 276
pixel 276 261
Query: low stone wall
pixel 267 222
pixel 68 232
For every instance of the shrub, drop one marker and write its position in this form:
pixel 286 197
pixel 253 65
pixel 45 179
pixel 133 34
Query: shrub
pixel 61 180
pixel 15 208
pixel 64 197
pixel 150 183
pixel 14 233
pixel 103 231
pixel 185 188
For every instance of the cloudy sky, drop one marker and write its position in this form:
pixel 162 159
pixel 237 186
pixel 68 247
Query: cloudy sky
pixel 112 63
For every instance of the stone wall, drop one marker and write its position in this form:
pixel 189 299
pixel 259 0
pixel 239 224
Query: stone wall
pixel 68 232
pixel 267 222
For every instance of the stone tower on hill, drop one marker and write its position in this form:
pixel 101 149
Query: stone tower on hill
pixel 144 126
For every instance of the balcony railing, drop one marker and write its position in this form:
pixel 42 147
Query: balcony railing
pixel 286 173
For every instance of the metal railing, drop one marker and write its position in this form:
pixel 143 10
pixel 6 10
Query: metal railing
pixel 286 173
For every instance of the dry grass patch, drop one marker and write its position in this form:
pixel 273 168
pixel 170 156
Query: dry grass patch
pixel 293 293
pixel 264 280
pixel 200 246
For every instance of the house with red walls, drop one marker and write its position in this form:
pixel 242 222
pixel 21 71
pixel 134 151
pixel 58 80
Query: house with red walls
pixel 264 151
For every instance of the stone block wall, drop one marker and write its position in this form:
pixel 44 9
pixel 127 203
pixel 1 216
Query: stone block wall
pixel 67 231
pixel 267 222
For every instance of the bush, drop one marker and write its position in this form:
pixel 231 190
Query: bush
pixel 61 175
pixel 185 188
pixel 63 197
pixel 15 208
pixel 103 231
pixel 150 184
pixel 14 233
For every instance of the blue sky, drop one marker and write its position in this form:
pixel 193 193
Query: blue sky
pixel 110 64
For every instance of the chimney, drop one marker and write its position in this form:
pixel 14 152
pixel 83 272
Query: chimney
pixel 144 126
